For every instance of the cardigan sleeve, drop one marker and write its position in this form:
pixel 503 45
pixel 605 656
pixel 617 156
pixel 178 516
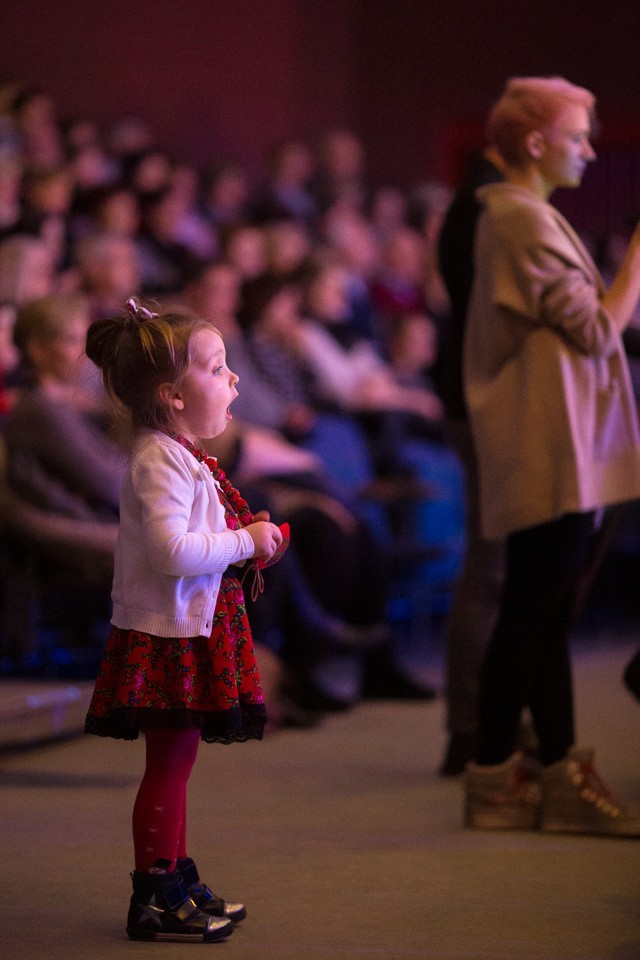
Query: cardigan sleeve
pixel 166 489
pixel 540 275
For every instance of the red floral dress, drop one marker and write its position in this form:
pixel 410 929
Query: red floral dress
pixel 209 683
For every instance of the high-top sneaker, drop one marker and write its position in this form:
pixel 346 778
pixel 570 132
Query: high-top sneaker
pixel 161 909
pixel 203 897
pixel 576 800
pixel 503 797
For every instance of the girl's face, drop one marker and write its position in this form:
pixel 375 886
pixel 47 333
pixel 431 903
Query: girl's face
pixel 207 390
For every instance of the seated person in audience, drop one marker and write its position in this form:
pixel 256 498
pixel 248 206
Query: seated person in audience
pixel 402 420
pixel 289 249
pixel 148 172
pixel 353 245
pixel 59 494
pixel 10 138
pixel 128 139
pixel 164 256
pixel 389 210
pixel 268 313
pixel 398 287
pixel 193 229
pixel 9 359
pixel 429 204
pixel 109 269
pixel 26 269
pixel 114 209
pixel 225 195
pixel 59 453
pixel 245 247
pixel 347 369
pixel 413 350
pixel 92 173
pixel 35 116
pixel 340 175
pixel 79 132
pixel 286 194
pixel 47 215
pixel 10 193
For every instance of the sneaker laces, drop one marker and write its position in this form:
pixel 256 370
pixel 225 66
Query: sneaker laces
pixel 525 782
pixel 523 785
pixel 592 787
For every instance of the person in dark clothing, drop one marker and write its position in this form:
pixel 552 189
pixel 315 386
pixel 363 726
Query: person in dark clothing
pixel 476 597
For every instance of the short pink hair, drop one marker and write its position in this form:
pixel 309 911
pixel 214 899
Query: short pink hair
pixel 530 103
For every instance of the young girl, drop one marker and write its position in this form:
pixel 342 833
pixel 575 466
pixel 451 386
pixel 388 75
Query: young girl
pixel 179 663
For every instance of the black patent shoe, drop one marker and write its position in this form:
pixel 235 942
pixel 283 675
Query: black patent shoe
pixel 204 898
pixel 161 909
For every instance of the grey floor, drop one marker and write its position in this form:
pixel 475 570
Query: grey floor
pixel 342 841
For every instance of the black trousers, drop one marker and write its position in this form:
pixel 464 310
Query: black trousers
pixel 527 663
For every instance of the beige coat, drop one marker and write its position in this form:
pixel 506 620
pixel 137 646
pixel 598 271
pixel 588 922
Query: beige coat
pixel 546 379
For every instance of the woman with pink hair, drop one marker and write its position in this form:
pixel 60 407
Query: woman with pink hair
pixel 555 428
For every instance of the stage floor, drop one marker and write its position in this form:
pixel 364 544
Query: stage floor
pixel 343 842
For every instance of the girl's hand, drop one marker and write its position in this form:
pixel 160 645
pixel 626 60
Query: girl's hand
pixel 266 537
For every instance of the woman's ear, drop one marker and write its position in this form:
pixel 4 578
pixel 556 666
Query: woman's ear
pixel 170 396
pixel 535 143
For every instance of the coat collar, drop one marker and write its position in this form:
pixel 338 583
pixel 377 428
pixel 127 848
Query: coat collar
pixel 501 196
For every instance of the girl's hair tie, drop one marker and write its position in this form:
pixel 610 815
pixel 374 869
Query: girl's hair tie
pixel 139 313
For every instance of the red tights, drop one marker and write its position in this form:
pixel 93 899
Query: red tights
pixel 160 810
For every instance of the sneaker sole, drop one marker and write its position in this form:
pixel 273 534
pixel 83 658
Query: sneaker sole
pixel 153 935
pixel 593 830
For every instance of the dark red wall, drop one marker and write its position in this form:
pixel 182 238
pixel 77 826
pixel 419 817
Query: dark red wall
pixel 211 77
pixel 414 78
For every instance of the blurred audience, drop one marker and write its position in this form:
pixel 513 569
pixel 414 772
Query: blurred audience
pixel 60 487
pixel 286 193
pixel 109 269
pixel 340 177
pixel 26 269
pixel 320 286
